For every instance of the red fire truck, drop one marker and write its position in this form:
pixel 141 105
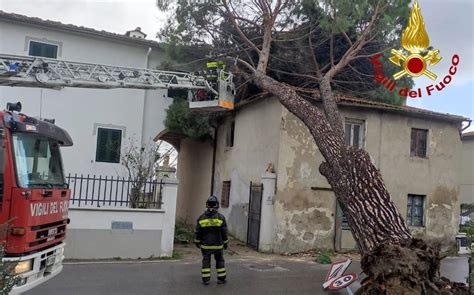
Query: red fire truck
pixel 34 196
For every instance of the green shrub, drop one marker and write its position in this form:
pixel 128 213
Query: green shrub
pixel 181 120
pixel 324 256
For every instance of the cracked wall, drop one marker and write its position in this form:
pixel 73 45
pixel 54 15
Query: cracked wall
pixel 256 144
pixel 387 139
pixel 304 205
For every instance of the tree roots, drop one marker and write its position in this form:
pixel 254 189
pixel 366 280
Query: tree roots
pixel 406 269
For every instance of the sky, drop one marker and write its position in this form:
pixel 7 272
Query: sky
pixel 449 24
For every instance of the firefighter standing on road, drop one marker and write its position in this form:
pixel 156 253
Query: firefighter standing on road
pixel 211 238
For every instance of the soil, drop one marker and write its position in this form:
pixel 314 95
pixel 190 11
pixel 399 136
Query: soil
pixel 411 269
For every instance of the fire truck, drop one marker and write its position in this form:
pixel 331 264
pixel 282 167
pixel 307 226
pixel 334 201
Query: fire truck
pixel 34 195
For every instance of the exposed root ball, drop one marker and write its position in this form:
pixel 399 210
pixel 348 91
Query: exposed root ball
pixel 406 269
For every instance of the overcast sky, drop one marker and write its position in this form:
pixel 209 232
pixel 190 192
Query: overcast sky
pixel 449 25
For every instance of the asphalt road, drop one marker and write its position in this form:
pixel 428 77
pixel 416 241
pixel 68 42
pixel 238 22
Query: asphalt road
pixel 272 275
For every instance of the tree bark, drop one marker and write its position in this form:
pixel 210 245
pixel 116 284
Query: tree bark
pixel 395 262
pixel 357 183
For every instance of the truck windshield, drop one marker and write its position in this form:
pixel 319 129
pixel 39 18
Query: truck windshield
pixel 37 161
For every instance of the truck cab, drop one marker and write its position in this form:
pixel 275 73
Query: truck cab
pixel 34 196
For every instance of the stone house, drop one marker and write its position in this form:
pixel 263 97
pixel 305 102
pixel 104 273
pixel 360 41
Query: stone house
pixel 417 151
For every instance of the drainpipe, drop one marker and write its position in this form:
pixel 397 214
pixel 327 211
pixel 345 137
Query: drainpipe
pixel 213 158
pixel 461 129
pixel 467 126
pixel 143 139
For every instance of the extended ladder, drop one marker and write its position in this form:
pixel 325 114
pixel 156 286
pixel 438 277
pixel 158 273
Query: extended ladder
pixel 31 71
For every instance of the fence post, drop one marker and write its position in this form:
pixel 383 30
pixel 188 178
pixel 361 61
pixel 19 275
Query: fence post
pixel 267 216
pixel 169 194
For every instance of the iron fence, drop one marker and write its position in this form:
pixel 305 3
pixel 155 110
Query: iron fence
pixel 98 191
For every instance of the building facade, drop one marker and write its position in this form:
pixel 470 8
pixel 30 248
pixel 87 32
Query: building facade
pixel 103 123
pixel 93 117
pixel 417 151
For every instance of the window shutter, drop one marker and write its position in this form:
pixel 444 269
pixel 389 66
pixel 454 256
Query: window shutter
pixel 101 153
pixel 108 145
pixel 225 194
pixel 116 136
pixel 347 134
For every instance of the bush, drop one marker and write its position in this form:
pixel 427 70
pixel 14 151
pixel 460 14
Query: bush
pixel 181 120
pixel 324 256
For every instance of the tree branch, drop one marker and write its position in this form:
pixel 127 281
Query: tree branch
pixel 355 48
pixel 237 27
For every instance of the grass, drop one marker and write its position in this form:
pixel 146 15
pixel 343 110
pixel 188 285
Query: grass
pixel 324 256
pixel 174 256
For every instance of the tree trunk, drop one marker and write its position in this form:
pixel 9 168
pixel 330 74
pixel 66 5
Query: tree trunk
pixel 394 262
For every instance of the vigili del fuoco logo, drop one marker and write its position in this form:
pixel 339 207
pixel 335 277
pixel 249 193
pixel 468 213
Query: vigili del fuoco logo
pixel 415 60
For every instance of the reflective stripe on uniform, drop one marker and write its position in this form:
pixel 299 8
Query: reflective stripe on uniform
pixel 206 275
pixel 226 241
pixel 212 247
pixel 197 241
pixel 220 269
pixel 212 64
pixel 206 270
pixel 222 274
pixel 210 222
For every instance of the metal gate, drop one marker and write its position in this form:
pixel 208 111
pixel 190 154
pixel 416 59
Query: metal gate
pixel 255 212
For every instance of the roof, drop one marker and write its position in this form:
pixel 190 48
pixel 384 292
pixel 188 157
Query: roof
pixel 468 135
pixel 349 101
pixel 55 25
pixel 403 109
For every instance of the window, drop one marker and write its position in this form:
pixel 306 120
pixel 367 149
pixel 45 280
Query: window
pixel 230 134
pixel 43 49
pixel 225 194
pixel 108 145
pixel 418 142
pixel 354 133
pixel 415 210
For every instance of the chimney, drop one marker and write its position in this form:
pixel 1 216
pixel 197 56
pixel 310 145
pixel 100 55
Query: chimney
pixel 137 33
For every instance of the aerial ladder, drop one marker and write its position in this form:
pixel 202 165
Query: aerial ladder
pixel 33 71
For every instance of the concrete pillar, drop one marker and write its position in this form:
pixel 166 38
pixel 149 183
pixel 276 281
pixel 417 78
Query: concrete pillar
pixel 169 197
pixel 267 217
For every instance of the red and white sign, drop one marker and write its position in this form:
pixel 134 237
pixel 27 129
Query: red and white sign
pixel 343 281
pixel 336 270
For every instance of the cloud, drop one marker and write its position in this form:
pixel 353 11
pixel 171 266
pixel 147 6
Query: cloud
pixel 450 27
pixel 117 16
